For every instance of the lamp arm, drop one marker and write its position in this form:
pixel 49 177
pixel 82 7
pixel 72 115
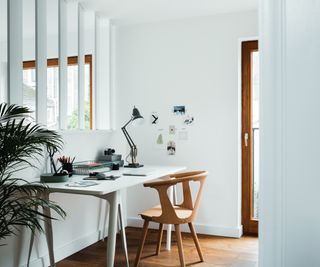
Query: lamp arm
pixel 127 123
pixel 133 148
pixel 129 139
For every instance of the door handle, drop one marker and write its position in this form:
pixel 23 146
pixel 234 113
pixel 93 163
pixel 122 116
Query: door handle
pixel 246 138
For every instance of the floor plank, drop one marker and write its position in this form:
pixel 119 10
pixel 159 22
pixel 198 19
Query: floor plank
pixel 218 252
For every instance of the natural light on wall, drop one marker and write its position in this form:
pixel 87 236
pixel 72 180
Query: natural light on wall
pixel 60 89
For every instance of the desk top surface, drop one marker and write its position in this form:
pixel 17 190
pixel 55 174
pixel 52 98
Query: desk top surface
pixel 104 187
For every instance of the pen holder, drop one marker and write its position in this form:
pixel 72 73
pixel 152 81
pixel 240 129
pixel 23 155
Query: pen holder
pixel 68 167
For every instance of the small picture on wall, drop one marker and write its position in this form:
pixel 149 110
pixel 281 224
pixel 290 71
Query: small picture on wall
pixel 183 135
pixel 160 139
pixel 154 118
pixel 189 120
pixel 179 110
pixel 171 148
pixel 172 129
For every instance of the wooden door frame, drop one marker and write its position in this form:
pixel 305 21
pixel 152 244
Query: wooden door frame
pixel 250 225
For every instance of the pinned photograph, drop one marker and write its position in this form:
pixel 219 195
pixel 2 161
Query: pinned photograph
pixel 172 129
pixel 189 120
pixel 183 135
pixel 171 148
pixel 154 118
pixel 179 110
pixel 160 139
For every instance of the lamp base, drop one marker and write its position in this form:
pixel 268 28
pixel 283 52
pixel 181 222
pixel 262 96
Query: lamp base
pixel 133 165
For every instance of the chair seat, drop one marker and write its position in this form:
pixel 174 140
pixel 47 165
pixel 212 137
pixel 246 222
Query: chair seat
pixel 153 213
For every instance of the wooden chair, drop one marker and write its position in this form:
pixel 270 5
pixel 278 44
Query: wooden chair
pixel 168 213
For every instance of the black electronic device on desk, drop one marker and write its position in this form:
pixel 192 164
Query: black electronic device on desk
pixel 101 176
pixel 115 160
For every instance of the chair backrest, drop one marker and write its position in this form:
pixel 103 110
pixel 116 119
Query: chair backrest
pixel 168 210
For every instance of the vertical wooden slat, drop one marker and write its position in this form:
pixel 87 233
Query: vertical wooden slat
pixel 102 71
pixel 41 61
pixel 81 66
pixel 93 77
pixel 112 111
pixel 15 42
pixel 3 65
pixel 63 64
pixel 3 82
pixel 96 74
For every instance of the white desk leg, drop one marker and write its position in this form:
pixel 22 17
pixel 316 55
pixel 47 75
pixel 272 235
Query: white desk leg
pixel 123 234
pixel 48 230
pixel 31 244
pixel 30 248
pixel 106 212
pixel 169 229
pixel 173 198
pixel 114 200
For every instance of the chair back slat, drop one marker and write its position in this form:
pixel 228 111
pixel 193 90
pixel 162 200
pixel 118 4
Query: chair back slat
pixel 169 214
pixel 187 196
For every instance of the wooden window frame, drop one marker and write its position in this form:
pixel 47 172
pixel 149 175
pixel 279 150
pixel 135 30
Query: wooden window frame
pixel 250 224
pixel 54 62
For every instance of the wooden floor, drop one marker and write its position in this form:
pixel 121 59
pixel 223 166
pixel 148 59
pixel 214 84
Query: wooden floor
pixel 218 252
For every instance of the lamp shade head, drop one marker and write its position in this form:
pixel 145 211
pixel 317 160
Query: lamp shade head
pixel 136 114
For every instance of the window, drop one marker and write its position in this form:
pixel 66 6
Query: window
pixel 29 91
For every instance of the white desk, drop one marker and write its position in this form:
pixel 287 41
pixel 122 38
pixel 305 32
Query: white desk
pixel 110 191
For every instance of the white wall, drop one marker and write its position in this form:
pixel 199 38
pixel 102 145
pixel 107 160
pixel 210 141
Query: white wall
pixel 192 62
pixel 290 128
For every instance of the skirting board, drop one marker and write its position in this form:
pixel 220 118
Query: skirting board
pixel 200 228
pixel 68 249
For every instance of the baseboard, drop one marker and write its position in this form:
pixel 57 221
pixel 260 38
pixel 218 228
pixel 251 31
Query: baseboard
pixel 68 249
pixel 200 228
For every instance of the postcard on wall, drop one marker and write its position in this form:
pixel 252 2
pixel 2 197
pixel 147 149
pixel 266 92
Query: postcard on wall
pixel 171 148
pixel 172 129
pixel 154 118
pixel 183 135
pixel 179 110
pixel 160 139
pixel 189 120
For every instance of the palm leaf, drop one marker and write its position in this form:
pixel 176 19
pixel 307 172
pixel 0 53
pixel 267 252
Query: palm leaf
pixel 9 112
pixel 22 144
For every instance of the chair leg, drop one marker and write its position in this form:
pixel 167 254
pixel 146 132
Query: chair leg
pixel 180 247
pixel 196 241
pixel 143 239
pixel 160 234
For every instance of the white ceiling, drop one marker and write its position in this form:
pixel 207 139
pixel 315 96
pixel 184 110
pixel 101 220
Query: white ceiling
pixel 124 11
pixel 130 11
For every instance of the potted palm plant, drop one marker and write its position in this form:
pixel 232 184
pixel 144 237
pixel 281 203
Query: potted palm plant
pixel 22 145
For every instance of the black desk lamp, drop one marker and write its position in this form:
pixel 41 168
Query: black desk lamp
pixel 133 148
